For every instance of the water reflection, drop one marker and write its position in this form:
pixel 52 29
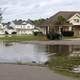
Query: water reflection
pixel 67 57
pixel 12 52
pixel 66 50
pixel 7 43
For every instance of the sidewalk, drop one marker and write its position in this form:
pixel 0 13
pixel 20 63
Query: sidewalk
pixel 25 72
pixel 73 39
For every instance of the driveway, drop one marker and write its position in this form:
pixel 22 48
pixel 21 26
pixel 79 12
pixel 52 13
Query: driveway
pixel 25 72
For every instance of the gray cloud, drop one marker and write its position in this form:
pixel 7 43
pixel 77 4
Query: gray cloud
pixel 35 9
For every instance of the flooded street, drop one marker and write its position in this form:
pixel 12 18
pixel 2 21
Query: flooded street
pixel 12 52
pixel 16 52
pixel 22 53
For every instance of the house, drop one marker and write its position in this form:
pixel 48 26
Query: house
pixel 18 27
pixel 41 29
pixel 24 27
pixel 72 22
pixel 9 28
pixel 41 26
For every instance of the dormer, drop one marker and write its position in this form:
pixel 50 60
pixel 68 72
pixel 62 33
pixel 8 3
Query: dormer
pixel 24 23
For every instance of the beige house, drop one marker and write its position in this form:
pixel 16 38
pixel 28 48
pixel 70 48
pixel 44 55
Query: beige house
pixel 73 19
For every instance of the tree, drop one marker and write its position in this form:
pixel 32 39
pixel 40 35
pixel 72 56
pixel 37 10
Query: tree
pixel 60 20
pixel 39 21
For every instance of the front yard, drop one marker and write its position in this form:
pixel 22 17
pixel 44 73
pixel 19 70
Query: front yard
pixel 23 38
pixel 32 38
pixel 71 38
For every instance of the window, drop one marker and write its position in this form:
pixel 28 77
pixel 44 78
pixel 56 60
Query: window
pixel 76 20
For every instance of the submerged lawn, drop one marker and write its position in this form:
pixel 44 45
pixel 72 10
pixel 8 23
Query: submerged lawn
pixel 23 38
pixel 64 65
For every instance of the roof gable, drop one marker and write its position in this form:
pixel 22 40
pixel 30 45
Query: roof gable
pixel 74 16
pixel 65 14
pixel 75 20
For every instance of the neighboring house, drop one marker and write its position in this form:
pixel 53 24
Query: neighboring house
pixel 24 27
pixel 18 27
pixel 9 28
pixel 73 22
pixel 42 29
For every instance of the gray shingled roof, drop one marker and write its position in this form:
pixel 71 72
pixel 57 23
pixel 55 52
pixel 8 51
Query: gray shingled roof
pixel 23 22
pixel 65 14
pixel 29 21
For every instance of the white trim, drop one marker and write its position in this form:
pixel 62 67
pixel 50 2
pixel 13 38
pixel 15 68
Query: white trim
pixel 71 18
pixel 75 19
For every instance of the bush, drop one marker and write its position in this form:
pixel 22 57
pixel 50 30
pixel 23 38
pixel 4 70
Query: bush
pixel 54 36
pixel 68 33
pixel 37 33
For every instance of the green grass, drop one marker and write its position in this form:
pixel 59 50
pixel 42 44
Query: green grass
pixel 68 37
pixel 73 37
pixel 67 73
pixel 23 38
pixel 64 65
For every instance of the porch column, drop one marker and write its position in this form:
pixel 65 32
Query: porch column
pixel 70 28
pixel 46 30
pixel 60 29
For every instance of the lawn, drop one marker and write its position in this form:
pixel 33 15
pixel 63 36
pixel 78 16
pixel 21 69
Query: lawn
pixel 70 38
pixel 23 38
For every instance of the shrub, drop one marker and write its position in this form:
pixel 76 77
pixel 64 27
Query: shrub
pixel 54 36
pixel 37 33
pixel 68 33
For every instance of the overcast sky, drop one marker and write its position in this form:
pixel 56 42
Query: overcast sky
pixel 35 9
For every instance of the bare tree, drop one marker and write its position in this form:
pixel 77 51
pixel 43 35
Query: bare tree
pixel 1 13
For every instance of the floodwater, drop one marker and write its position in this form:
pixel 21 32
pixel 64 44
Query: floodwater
pixel 16 52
